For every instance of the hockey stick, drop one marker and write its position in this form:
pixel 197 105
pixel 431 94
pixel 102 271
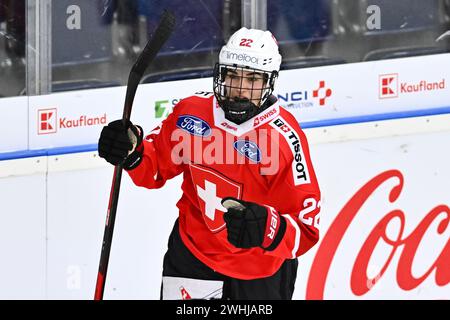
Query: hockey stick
pixel 160 36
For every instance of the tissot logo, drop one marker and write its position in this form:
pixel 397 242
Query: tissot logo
pixel 388 86
pixel 47 121
pixel 299 166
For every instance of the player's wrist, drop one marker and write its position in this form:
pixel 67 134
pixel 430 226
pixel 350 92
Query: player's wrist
pixel 275 230
pixel 135 157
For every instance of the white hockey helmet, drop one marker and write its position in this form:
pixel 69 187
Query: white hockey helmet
pixel 252 51
pixel 252 48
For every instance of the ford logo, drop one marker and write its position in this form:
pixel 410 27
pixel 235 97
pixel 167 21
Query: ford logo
pixel 194 125
pixel 248 149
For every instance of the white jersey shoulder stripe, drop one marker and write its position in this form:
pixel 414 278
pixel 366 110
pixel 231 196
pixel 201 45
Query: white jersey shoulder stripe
pixel 300 170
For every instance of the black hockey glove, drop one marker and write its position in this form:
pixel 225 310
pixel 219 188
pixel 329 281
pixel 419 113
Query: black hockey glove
pixel 119 144
pixel 252 225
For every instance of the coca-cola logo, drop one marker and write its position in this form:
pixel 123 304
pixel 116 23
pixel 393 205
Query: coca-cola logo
pixel 403 245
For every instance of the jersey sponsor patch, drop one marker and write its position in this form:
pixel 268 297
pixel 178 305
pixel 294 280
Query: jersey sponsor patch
pixel 264 116
pixel 194 125
pixel 299 165
pixel 248 149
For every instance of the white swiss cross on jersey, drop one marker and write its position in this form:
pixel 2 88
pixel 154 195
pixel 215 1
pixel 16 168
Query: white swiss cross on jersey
pixel 211 188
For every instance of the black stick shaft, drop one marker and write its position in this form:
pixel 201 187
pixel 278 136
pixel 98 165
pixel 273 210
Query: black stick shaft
pixel 160 36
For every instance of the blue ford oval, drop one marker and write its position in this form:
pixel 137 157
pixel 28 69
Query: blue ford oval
pixel 248 149
pixel 194 125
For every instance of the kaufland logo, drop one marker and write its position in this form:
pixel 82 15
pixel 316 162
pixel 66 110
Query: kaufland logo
pixel 48 121
pixel 390 86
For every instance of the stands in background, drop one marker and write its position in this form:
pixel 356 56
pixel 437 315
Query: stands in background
pixel 192 49
pixel 400 28
pixel 198 24
pixel 98 39
pixel 302 27
pixel 394 53
pixel 182 74
pixel 79 35
pixel 309 62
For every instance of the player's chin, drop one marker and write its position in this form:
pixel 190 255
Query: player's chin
pixel 256 103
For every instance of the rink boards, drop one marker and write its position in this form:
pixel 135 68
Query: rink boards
pixel 384 179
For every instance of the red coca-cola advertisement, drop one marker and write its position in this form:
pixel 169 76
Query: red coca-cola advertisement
pixel 385 217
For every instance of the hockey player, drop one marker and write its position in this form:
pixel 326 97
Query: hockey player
pixel 250 203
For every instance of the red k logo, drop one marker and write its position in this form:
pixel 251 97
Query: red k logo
pixel 47 121
pixel 211 188
pixel 388 86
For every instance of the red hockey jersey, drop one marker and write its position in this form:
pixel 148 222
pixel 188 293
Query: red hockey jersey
pixel 264 160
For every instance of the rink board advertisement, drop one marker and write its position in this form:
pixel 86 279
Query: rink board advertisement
pixel 384 226
pixel 369 88
pixel 385 214
pixel 71 118
pixel 384 220
pixel 15 129
pixel 311 94
pixel 76 118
